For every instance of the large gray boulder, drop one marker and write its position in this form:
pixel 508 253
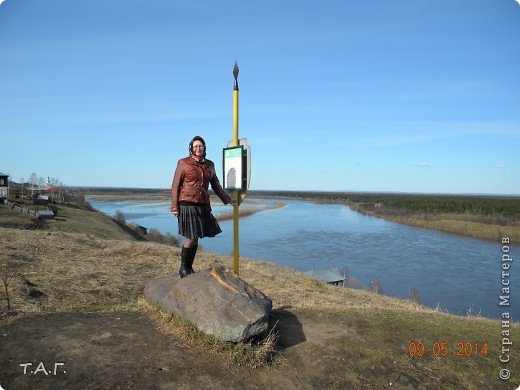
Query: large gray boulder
pixel 215 300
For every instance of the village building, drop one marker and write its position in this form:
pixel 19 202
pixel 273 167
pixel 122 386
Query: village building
pixel 41 200
pixel 4 187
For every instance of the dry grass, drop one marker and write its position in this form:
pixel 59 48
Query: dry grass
pixel 84 272
pixel 74 220
pixel 78 271
pixel 288 287
pixel 252 354
pixel 460 225
pixel 60 272
pixel 486 227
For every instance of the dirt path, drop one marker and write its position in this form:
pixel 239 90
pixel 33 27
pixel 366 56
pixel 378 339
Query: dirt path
pixel 125 350
pixel 316 350
pixel 101 350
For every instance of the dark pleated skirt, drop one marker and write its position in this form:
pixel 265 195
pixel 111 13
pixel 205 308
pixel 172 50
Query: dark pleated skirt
pixel 196 221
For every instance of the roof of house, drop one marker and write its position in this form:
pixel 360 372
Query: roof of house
pixel 326 275
pixel 3 174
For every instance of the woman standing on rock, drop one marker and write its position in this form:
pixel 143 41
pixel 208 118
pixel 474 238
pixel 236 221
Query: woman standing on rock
pixel 190 201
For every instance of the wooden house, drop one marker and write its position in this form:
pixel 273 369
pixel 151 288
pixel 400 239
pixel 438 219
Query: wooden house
pixel 4 186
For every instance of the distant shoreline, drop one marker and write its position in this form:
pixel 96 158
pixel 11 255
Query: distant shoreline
pixel 112 197
pixel 479 216
pixel 160 197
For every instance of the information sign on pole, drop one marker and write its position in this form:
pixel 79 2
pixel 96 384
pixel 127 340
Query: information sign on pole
pixel 246 165
pixel 234 172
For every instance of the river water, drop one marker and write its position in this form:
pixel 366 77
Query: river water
pixel 458 274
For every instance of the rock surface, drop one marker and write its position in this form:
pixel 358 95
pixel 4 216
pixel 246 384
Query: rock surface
pixel 215 300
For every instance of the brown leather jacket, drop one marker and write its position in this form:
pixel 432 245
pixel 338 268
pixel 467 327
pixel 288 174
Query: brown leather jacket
pixel 191 180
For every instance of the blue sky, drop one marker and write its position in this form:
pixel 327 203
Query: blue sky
pixel 407 96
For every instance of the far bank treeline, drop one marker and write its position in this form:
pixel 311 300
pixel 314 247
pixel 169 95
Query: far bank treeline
pixel 508 206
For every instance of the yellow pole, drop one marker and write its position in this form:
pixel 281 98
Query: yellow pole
pixel 236 193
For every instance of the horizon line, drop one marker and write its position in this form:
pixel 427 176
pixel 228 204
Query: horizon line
pixel 313 191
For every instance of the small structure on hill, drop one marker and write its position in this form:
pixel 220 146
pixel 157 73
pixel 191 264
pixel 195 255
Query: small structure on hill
pixel 41 200
pixel 4 187
pixel 45 214
pixel 141 230
pixel 331 276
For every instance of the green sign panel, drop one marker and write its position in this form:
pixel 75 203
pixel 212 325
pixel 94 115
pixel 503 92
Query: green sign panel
pixel 234 168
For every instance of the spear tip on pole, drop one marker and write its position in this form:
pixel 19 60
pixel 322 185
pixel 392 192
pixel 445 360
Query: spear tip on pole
pixel 235 74
pixel 235 70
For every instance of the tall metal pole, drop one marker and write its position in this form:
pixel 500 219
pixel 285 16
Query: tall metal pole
pixel 236 193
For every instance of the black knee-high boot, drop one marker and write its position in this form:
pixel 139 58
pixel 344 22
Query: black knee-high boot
pixel 191 258
pixel 184 270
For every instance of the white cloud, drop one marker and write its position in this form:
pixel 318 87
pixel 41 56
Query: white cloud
pixel 518 1
pixel 422 164
pixel 501 166
pixel 1 1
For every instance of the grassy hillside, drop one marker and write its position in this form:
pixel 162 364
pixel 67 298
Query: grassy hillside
pixel 329 337
pixel 71 218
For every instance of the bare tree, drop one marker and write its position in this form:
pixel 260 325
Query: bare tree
pixel 61 193
pixel 53 184
pixel 22 181
pixel 33 180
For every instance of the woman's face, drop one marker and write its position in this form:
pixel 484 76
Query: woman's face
pixel 198 148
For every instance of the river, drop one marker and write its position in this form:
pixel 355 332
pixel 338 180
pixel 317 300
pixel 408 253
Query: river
pixel 454 273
